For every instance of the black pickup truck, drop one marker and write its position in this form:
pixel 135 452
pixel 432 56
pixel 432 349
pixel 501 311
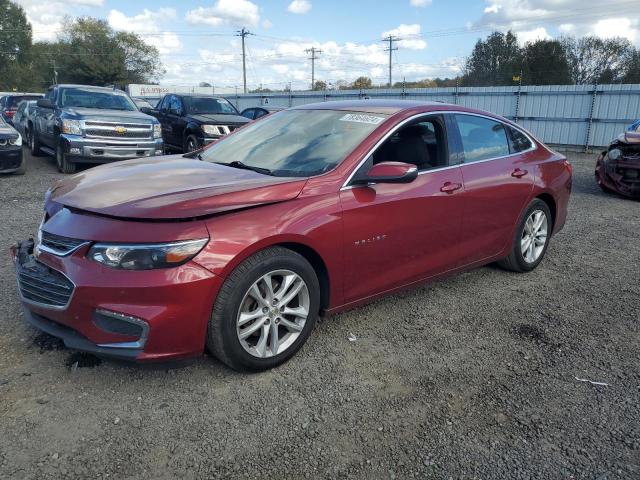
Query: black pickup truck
pixel 192 121
pixel 83 124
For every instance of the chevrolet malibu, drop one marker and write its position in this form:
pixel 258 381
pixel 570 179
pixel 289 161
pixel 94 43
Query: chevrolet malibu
pixel 239 248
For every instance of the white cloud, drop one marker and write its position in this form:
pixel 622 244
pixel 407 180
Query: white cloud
pixel 573 17
pixel 267 24
pixel 146 24
pixel 617 27
pixel 232 12
pixel 533 35
pixel 299 6
pixel 421 3
pixel 46 17
pixel 409 36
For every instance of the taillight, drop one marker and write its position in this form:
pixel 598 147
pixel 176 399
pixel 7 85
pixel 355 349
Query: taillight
pixel 10 113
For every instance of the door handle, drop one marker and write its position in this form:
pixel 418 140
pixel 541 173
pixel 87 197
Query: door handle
pixel 450 187
pixel 519 173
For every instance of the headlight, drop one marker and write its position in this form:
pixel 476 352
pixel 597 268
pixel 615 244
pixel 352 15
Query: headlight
pixel 210 129
pixel 614 154
pixel 17 141
pixel 157 130
pixel 146 256
pixel 72 127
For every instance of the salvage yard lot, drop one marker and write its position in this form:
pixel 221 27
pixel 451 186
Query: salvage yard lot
pixel 471 377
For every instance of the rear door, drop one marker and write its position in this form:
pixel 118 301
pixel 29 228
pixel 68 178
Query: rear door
pixel 395 234
pixel 497 184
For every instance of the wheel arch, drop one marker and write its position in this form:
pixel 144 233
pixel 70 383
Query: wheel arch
pixel 547 198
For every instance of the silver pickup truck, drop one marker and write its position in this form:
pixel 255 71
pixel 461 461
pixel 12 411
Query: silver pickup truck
pixel 84 124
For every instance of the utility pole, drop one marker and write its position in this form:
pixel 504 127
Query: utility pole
pixel 390 49
pixel 243 33
pixel 55 72
pixel 314 54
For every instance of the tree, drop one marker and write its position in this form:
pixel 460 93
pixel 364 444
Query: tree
pixel 15 43
pixel 425 83
pixel 494 61
pixel 545 63
pixel 592 59
pixel 632 66
pixel 320 85
pixel 91 52
pixel 361 83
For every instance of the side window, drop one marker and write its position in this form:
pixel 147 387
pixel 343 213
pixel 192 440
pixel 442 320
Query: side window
pixel 249 113
pixel 259 113
pixel 519 141
pixel 422 143
pixel 482 138
pixel 175 105
pixel 164 103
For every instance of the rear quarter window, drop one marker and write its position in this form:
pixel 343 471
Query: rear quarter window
pixel 520 142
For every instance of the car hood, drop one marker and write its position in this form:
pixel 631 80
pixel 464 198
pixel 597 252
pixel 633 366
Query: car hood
pixel 170 187
pixel 220 118
pixel 105 115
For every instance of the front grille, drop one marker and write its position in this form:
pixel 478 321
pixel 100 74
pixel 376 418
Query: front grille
pixel 43 285
pixel 59 245
pixel 137 131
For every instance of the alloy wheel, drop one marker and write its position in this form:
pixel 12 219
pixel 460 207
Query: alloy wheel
pixel 273 313
pixel 534 236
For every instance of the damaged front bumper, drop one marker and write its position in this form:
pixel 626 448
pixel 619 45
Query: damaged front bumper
pixel 620 175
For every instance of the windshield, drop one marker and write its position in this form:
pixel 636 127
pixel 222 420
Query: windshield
pixel 75 97
pixel 296 143
pixel 197 105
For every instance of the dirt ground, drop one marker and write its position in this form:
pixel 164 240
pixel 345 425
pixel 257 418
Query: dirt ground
pixel 471 377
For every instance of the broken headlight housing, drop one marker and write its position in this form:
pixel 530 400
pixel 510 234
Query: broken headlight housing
pixel 614 154
pixel 146 256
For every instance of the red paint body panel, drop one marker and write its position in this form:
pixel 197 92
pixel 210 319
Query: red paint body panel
pixel 371 239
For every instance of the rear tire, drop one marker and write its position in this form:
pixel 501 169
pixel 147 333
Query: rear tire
pixel 531 240
pixel 34 144
pixel 245 293
pixel 62 160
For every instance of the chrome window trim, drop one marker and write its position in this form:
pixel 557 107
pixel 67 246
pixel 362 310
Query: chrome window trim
pixel 346 185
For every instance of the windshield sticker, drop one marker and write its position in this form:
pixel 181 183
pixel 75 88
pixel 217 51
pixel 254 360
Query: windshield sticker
pixel 362 118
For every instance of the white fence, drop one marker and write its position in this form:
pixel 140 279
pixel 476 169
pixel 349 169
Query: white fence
pixel 573 116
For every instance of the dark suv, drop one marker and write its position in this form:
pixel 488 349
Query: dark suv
pixel 191 121
pixel 83 124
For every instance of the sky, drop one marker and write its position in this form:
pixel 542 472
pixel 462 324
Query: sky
pixel 197 39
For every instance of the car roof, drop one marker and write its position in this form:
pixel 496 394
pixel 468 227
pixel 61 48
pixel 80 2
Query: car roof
pixel 388 107
pixel 87 87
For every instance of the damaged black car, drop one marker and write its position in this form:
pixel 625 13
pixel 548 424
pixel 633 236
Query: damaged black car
pixel 618 168
pixel 11 159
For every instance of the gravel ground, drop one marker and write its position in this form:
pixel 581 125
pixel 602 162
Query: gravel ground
pixel 472 377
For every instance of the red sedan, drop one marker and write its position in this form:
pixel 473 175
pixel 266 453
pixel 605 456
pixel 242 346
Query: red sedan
pixel 311 210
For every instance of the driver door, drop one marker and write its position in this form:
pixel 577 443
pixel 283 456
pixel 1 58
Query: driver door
pixel 396 234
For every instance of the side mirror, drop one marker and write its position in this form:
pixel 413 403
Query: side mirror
pixel 44 103
pixel 389 172
pixel 175 111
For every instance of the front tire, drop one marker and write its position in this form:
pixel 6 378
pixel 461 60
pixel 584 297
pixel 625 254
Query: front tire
pixel 265 310
pixel 62 160
pixel 191 144
pixel 531 238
